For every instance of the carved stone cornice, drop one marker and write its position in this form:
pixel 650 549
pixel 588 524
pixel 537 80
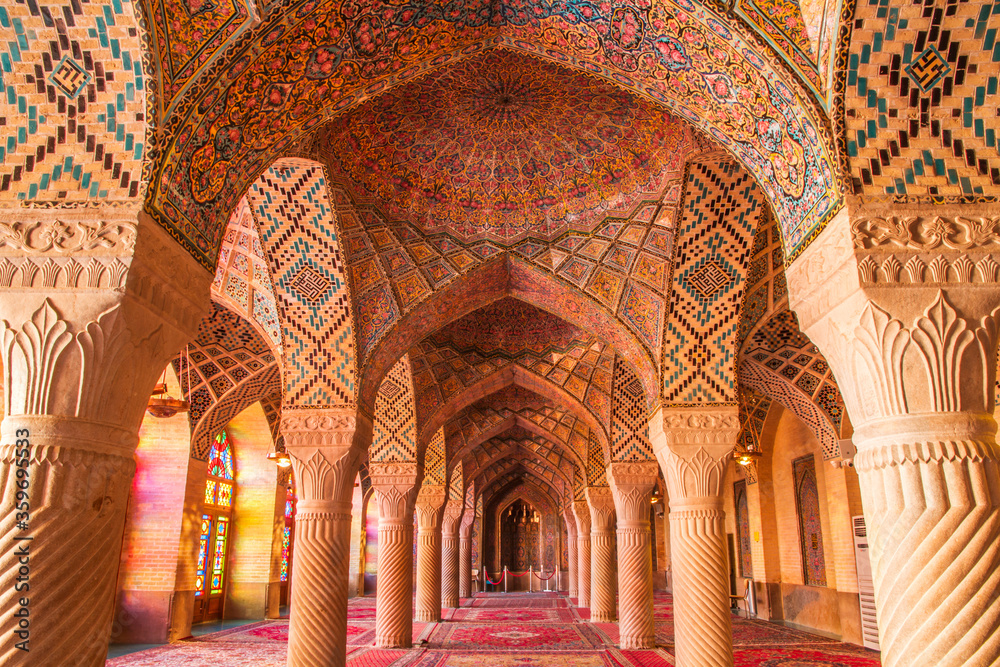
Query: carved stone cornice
pixel 602 508
pixel 694 425
pixel 923 233
pixel 324 427
pixel 106 231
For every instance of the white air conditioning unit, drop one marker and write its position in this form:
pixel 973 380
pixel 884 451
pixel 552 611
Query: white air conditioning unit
pixel 866 588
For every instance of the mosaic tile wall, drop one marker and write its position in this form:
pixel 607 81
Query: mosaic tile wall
pixel 242 279
pixel 720 212
pixel 597 466
pixel 298 231
pixel 918 95
pixel 516 447
pixel 394 435
pixel 222 139
pixel 807 502
pixel 434 469
pixel 629 418
pixel 72 102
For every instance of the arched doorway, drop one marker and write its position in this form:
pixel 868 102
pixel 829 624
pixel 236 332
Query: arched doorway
pixel 216 522
pixel 519 537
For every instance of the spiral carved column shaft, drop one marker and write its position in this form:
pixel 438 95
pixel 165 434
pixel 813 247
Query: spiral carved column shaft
pixel 395 486
pixel 694 446
pixel 465 561
pixel 430 505
pixel 449 556
pixel 317 633
pixel 932 510
pixel 602 541
pixel 632 487
pixel 323 445
pixel 582 512
pixel 574 590
pixel 63 554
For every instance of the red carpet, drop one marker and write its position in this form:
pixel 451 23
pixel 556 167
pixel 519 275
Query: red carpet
pixel 520 630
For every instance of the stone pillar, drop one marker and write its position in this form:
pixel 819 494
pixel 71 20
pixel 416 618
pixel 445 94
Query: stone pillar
pixel 903 303
pixel 94 303
pixel 430 505
pixel 603 607
pixel 582 513
pixel 449 552
pixel 324 445
pixel 694 446
pixel 632 488
pixel 574 590
pixel 395 486
pixel 465 553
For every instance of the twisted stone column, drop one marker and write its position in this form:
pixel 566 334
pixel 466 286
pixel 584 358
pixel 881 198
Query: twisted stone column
pixel 570 520
pixel 449 553
pixel 582 512
pixel 632 487
pixel 465 553
pixel 430 505
pixel 79 363
pixel 394 485
pixel 602 540
pixel 694 446
pixel 324 446
pixel 914 353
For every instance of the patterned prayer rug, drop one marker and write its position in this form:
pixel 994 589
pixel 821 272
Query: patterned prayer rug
pixel 842 655
pixel 236 654
pixel 538 636
pixel 488 615
pixel 521 603
pixel 478 659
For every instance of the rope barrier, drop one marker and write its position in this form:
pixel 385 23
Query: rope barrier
pixel 490 581
pixel 541 578
pixel 525 573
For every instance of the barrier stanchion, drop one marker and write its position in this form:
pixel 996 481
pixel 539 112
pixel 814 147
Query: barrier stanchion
pixel 504 578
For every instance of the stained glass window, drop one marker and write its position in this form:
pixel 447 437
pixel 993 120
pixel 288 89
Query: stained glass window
pixel 219 557
pixel 286 539
pixel 206 534
pixel 210 491
pixel 225 497
pixel 220 462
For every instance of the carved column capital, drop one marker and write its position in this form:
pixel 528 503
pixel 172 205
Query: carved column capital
pixel 320 443
pixel 602 508
pixel 395 486
pixel 632 487
pixel 581 510
pixel 430 506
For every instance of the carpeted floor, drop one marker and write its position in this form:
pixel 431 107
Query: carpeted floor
pixel 516 630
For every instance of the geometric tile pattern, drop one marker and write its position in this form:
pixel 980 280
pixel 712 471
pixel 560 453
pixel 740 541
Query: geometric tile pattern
pixel 434 470
pixel 231 367
pixel 753 412
pixel 629 417
pixel 721 209
pixel 754 376
pixel 242 278
pixel 394 435
pixel 456 485
pixel 299 234
pixel 917 97
pixel 72 102
pixel 596 466
pixel 583 370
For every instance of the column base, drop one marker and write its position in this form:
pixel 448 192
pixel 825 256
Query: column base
pixel 599 617
pixel 425 617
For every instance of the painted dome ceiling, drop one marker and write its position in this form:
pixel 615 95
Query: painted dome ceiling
pixel 503 146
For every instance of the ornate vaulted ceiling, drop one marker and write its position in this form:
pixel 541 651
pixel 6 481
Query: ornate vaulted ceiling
pixel 502 145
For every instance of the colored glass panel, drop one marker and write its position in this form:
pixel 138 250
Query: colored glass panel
pixel 220 462
pixel 206 534
pixel 225 497
pixel 219 560
pixel 210 491
pixel 743 529
pixel 286 543
pixel 288 509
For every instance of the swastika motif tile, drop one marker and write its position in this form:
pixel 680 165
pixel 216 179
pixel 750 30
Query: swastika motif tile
pixel 720 212
pixel 298 232
pixel 72 103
